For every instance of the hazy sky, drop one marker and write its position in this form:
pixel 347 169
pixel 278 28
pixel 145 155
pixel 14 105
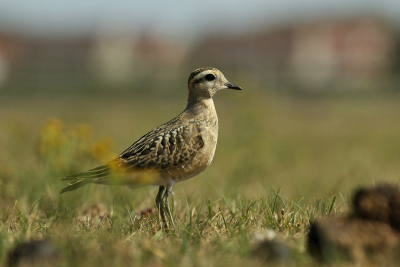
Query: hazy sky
pixel 175 18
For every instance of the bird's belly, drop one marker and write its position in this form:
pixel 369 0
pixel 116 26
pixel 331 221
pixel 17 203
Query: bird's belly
pixel 197 165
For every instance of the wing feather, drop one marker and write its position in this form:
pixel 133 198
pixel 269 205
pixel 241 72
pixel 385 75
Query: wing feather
pixel 165 149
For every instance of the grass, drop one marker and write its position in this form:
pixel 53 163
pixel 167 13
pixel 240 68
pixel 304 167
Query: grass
pixel 293 160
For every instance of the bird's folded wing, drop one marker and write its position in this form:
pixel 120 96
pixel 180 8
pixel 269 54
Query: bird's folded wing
pixel 163 148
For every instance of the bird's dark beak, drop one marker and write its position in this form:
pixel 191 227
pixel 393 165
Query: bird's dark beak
pixel 233 86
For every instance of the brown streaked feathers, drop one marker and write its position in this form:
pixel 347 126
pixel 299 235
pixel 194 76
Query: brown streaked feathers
pixel 168 146
pixel 163 148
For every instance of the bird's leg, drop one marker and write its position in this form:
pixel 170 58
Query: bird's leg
pixel 160 205
pixel 166 195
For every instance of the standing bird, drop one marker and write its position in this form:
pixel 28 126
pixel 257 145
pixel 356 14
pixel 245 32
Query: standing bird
pixel 173 152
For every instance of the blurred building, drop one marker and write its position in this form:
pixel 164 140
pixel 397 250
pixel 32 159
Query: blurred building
pixel 41 64
pixel 125 58
pixel 341 49
pixel 75 64
pixel 10 49
pixel 311 54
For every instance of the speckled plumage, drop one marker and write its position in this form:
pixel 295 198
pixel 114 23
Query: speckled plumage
pixel 172 152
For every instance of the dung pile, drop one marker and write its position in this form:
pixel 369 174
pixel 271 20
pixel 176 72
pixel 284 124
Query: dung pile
pixel 368 236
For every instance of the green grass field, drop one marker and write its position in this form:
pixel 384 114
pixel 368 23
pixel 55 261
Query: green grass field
pixel 281 162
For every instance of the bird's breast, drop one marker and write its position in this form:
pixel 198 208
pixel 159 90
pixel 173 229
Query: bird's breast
pixel 204 156
pixel 198 164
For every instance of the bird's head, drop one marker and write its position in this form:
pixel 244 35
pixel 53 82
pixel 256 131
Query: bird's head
pixel 204 83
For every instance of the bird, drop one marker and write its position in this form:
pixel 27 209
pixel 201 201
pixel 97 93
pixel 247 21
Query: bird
pixel 173 152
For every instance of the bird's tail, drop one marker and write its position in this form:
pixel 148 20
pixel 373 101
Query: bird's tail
pixel 81 179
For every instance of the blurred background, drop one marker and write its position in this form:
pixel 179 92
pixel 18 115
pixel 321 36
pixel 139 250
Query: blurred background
pixel 313 46
pixel 319 112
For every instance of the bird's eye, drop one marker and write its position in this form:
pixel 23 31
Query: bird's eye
pixel 210 77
